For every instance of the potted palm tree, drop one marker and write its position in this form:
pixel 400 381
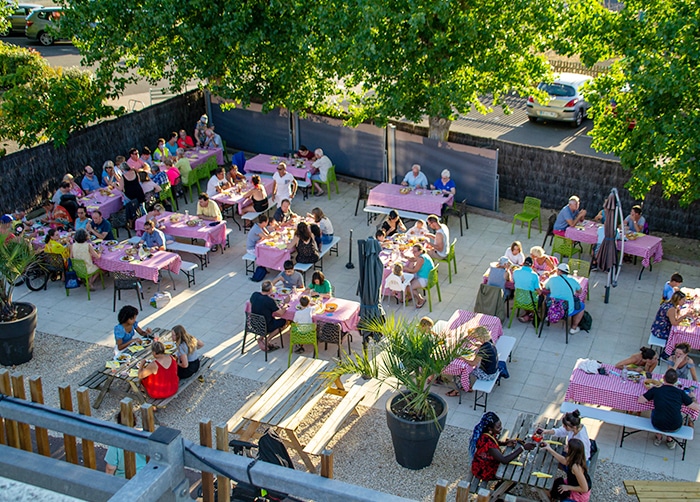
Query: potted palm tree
pixel 408 359
pixel 17 319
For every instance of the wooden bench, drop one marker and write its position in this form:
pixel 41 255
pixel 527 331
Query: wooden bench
pixel 681 436
pixel 373 211
pixel 188 268
pixel 653 491
pixel 334 422
pixel 326 249
pixel 201 252
pixel 204 366
pixel 482 388
pixel 249 260
pixel 94 380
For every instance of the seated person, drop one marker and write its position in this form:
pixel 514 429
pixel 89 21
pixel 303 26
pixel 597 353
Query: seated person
pixel 527 279
pixel 321 165
pixel 54 244
pixel 172 172
pixel 303 315
pixel 600 217
pixel 171 144
pixel 74 187
pixel 414 178
pixel 184 141
pixel 420 266
pixel 682 363
pixel 321 285
pixel 515 253
pixel 161 152
pixel 634 222
pixel 125 332
pixel 569 216
pixel 146 157
pixel 134 161
pixel 577 483
pixel 486 361
pixel 380 235
pixel 82 249
pixel 159 377
pixel 208 209
pixel 316 232
pixel 234 175
pixel 439 238
pixel 397 275
pixel 500 274
pixel 290 278
pixel 148 185
pixel 110 178
pixel 153 238
pixel 324 224
pixel 417 230
pixel 187 355
pixel 213 140
pixel 444 183
pixel 304 244
pixel 183 166
pixel 90 183
pixel 99 227
pixel 81 219
pixel 258 195
pixel 563 287
pixel 673 285
pixel 261 303
pixel 56 215
pixel 304 153
pixel 284 213
pixel 571 428
pixel 218 182
pixel 257 232
pixel 393 224
pixel 543 264
pixel 485 447
pixel 669 315
pixel 426 325
pixel 63 189
pixel 646 358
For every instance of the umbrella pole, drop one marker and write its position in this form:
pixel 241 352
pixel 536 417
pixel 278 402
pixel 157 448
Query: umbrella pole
pixel 349 264
pixel 607 286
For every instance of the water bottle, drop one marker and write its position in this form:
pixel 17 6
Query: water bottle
pixel 624 373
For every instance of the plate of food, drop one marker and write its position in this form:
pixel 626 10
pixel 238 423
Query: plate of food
pixel 405 190
pixel 146 342
pixel 131 252
pixel 111 243
pixel 169 347
pixel 175 217
pixel 285 291
pixel 123 358
pixel 436 192
pixel 331 307
pixel 192 223
pixel 127 258
pixel 650 382
pixel 204 151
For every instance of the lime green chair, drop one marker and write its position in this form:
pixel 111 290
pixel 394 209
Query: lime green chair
pixel 451 259
pixel 166 192
pixel 330 178
pixel 564 246
pixel 227 161
pixel 433 281
pixel 531 210
pixel 524 300
pixel 584 270
pixel 81 271
pixel 191 181
pixel 302 334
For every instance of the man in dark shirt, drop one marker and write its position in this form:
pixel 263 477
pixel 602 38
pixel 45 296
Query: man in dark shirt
pixel 99 227
pixel 668 400
pixel 263 304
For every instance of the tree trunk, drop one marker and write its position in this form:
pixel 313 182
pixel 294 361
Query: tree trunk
pixel 439 128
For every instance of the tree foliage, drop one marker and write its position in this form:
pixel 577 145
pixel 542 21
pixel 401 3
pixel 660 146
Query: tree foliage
pixel 653 123
pixel 41 103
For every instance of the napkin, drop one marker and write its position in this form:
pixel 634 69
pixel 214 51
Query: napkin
pixel 588 365
pixel 113 365
pixel 541 474
pixel 135 348
pixel 133 373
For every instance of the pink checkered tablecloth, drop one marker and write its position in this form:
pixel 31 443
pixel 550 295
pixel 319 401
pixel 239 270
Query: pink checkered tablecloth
pixel 264 163
pixel 209 234
pixel 235 197
pixel 646 247
pixel 460 322
pixel 583 282
pixel 148 269
pixel 199 156
pixel 610 390
pixel 107 204
pixel 418 201
pixel 587 235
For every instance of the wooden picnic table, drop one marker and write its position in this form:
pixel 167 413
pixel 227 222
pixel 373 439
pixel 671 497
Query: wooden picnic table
pixel 653 491
pixel 537 460
pixel 287 402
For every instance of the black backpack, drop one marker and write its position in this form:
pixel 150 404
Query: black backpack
pixel 586 322
pixel 259 274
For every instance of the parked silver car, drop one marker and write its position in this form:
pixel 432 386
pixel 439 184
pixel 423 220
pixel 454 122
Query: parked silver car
pixel 565 103
pixel 43 24
pixel 19 14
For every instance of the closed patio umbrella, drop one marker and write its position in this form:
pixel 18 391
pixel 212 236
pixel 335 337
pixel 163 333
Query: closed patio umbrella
pixel 369 286
pixel 607 256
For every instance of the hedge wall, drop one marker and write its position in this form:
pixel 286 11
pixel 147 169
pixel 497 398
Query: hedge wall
pixel 32 174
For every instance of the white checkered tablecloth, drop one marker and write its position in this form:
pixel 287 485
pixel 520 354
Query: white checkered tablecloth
pixel 646 247
pixel 610 390
pixel 389 195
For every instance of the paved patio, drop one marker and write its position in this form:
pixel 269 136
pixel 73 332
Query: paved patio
pixel 213 311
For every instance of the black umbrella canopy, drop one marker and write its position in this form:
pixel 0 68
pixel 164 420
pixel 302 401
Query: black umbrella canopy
pixel 370 283
pixel 607 252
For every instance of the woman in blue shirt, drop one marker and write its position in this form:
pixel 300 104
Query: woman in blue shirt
pixel 445 183
pixel 421 266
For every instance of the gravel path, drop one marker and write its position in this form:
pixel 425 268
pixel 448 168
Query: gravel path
pixel 362 449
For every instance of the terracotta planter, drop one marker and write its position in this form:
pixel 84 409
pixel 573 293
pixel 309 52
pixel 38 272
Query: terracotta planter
pixel 17 337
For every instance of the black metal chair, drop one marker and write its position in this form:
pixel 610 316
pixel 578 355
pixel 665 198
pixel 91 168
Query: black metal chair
pixel 178 190
pixel 118 220
pixel 256 325
pixel 550 230
pixel 362 195
pixel 329 332
pixel 459 209
pixel 124 281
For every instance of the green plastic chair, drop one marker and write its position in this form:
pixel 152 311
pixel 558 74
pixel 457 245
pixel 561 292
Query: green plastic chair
pixel 564 246
pixel 584 270
pixel 302 334
pixel 166 192
pixel 451 258
pixel 524 300
pixel 192 180
pixel 329 179
pixel 531 210
pixel 80 269
pixel 227 160
pixel 433 281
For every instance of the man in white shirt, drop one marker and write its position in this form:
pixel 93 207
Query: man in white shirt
pixel 439 239
pixel 217 182
pixel 284 185
pixel 415 178
pixel 322 164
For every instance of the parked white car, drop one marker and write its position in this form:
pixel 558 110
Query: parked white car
pixel 565 103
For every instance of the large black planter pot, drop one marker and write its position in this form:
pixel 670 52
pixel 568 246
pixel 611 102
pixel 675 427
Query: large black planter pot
pixel 17 337
pixel 415 442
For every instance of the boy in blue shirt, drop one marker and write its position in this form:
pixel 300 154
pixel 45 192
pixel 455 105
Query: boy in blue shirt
pixel 672 286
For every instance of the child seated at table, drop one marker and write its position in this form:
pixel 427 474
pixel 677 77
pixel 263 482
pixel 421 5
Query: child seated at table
pixel 303 316
pixel 398 277
pixel 321 285
pixel 417 230
pixel 571 428
pixel 673 285
pixel 290 278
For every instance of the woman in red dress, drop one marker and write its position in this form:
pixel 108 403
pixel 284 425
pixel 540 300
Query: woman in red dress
pixel 485 447
pixel 159 377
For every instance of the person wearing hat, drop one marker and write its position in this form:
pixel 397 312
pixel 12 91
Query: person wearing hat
pixel 569 216
pixel 527 279
pixel 499 274
pixel 562 287
pixel 6 227
pixel 444 183
pixel 90 183
pixel 199 130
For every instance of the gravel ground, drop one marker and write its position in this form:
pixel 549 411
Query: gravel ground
pixel 362 449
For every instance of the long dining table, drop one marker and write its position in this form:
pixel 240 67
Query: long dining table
pixel 176 224
pixel 232 200
pixel 114 259
pixel 107 201
pixel 264 163
pixel 199 156
pixel 418 201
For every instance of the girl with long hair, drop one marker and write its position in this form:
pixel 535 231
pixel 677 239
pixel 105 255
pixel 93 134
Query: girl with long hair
pixel 576 487
pixel 187 356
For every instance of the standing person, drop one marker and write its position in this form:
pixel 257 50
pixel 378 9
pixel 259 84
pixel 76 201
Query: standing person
pixel 130 186
pixel 668 400
pixel 284 185
pixel 200 127
pixel 414 178
pixel 159 377
pixel 439 239
pixel 125 332
pixel 261 303
pixel 187 356
pixel 634 222
pixel 569 216
pixel 571 428
pixel 485 447
pixel 420 266
pixel 321 164
pixel 114 458
pixel 577 485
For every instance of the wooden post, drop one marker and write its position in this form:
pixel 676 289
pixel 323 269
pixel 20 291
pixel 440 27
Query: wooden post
pixel 327 464
pixel 207 477
pixel 463 491
pixel 36 392
pixel 148 419
pixel 126 410
pixel 10 425
pixel 25 432
pixel 69 444
pixel 440 491
pixel 83 394
pixel 224 483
